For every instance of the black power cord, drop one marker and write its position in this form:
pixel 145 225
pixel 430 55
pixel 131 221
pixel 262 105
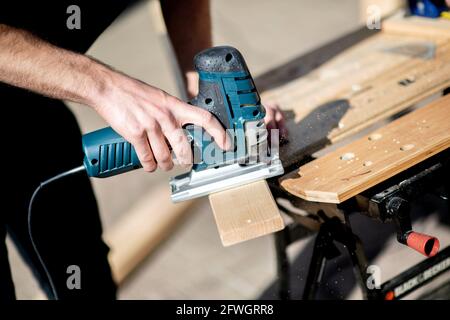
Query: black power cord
pixel 30 233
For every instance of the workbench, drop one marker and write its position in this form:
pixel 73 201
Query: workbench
pixel 346 103
pixel 369 133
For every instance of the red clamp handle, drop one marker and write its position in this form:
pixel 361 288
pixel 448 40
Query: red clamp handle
pixel 423 243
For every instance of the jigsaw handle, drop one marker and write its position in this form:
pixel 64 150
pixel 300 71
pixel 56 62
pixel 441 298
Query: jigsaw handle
pixel 106 153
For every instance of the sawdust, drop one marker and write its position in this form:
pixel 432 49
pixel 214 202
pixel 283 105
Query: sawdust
pixel 367 163
pixel 347 156
pixel 375 136
pixel 407 147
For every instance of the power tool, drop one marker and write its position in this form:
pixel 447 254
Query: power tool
pixel 227 90
pixel 429 8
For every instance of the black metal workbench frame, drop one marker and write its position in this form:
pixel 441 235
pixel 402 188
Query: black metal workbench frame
pixel 388 202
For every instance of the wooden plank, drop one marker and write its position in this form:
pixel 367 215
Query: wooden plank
pixel 245 212
pixel 372 159
pixel 359 87
pixel 304 64
pixel 142 229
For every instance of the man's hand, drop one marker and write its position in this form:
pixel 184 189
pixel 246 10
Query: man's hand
pixel 151 119
pixel 147 117
pixel 274 119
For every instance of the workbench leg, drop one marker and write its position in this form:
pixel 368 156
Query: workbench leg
pixel 324 249
pixel 445 216
pixel 359 260
pixel 315 271
pixel 360 265
pixel 282 241
pixel 447 219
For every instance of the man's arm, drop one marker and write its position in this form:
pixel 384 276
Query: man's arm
pixel 144 115
pixel 189 26
pixel 30 63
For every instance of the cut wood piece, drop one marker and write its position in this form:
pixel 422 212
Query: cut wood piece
pixel 245 212
pixel 370 160
pixel 371 81
pixel 142 229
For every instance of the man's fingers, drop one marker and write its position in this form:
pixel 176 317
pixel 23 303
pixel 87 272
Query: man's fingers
pixel 207 121
pixel 192 83
pixel 275 119
pixel 281 123
pixel 180 145
pixel 279 118
pixel 160 149
pixel 144 153
pixel 269 119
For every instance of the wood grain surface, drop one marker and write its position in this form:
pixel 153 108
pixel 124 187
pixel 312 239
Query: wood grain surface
pixel 372 159
pixel 371 81
pixel 245 212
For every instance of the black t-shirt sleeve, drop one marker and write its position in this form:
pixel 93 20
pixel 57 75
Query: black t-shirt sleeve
pixel 48 19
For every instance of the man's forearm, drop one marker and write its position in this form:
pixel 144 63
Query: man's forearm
pixel 189 26
pixel 31 63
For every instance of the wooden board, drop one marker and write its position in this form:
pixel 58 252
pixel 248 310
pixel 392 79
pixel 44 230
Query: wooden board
pixel 245 212
pixel 371 81
pixel 372 159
